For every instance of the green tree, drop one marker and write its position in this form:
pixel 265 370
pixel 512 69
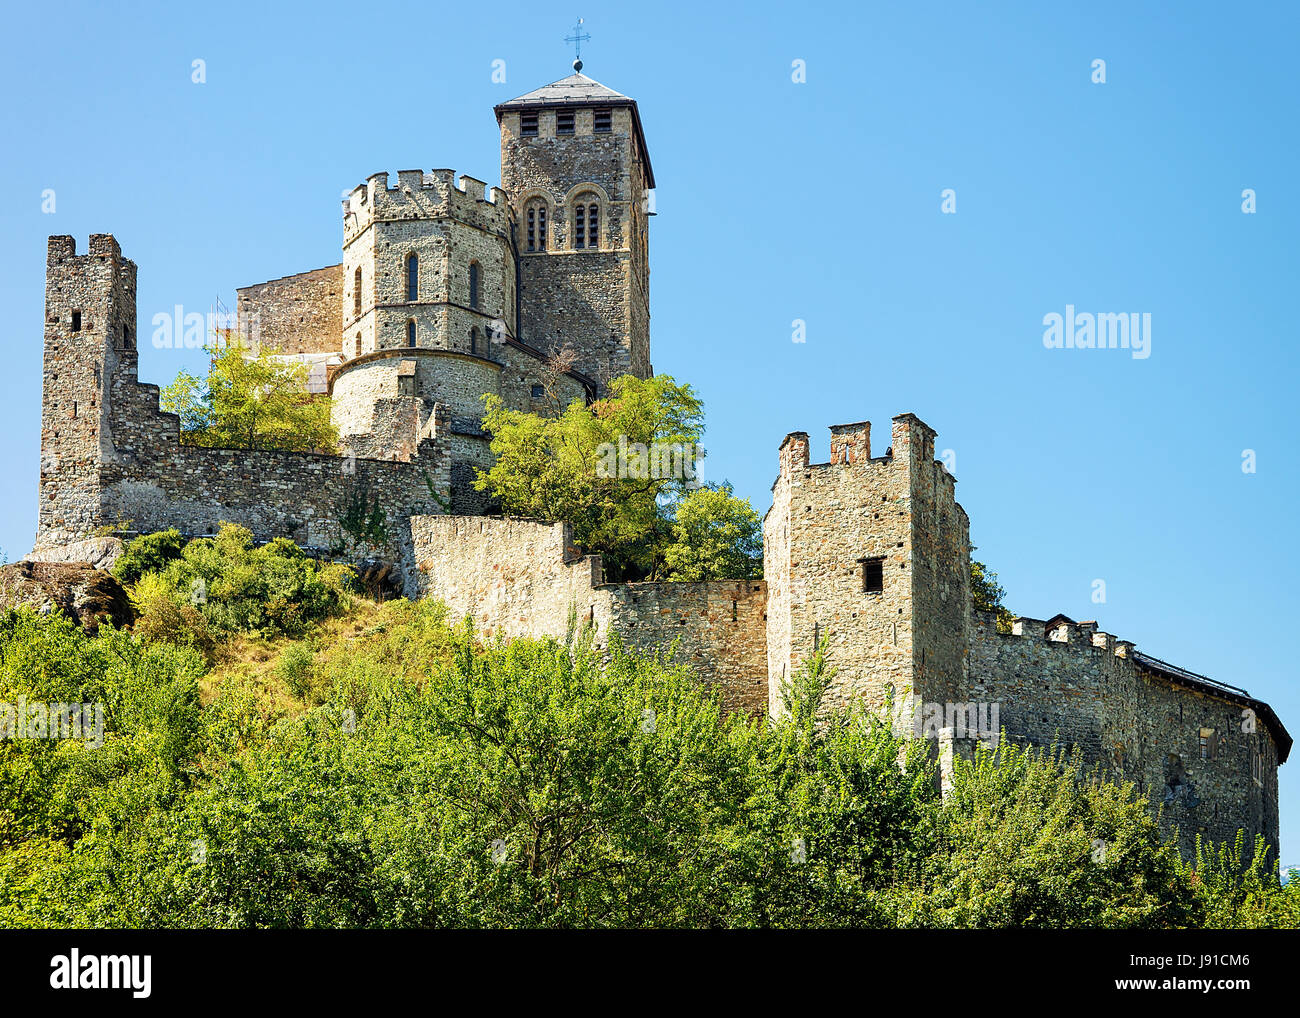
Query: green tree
pixel 250 401
pixel 426 778
pixel 1236 892
pixel 987 594
pixel 1030 838
pixel 568 467
pixel 714 536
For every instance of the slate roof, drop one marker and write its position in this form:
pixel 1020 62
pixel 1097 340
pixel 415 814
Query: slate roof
pixel 576 88
pixel 579 90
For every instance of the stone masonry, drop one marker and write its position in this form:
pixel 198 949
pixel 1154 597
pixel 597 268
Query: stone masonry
pixel 447 292
pixel 423 318
pixel 526 578
pixel 901 632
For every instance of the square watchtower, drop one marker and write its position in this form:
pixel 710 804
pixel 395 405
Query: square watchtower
pixel 875 554
pixel 574 162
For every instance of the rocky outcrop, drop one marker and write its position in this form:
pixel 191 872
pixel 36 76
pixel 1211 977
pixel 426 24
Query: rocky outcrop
pixel 381 579
pixel 82 592
pixel 100 552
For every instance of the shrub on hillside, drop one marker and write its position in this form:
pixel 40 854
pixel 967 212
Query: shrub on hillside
pixel 542 783
pixel 296 667
pixel 272 590
pixel 148 553
pixel 164 616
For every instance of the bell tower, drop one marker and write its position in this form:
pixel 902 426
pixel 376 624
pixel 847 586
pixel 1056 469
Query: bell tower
pixel 575 165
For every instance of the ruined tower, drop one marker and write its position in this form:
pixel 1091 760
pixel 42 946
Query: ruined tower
pixel 90 339
pixel 574 162
pixel 874 553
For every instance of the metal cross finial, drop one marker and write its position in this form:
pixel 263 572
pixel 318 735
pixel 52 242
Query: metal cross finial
pixel 577 38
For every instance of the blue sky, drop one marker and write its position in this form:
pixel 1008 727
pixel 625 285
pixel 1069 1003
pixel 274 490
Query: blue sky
pixel 778 201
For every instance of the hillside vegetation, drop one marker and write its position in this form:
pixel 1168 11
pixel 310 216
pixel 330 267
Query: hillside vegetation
pixel 280 752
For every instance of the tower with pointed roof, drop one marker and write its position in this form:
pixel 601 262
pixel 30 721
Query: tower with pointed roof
pixel 575 165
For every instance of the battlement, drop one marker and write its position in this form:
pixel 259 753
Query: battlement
pixel 913 440
pixel 851 443
pixel 102 245
pixel 1063 630
pixel 420 194
pixel 911 436
pixel 89 298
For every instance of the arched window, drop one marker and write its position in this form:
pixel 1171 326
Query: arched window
pixel 535 215
pixel 586 222
pixel 413 276
pixel 358 353
pixel 356 293
pixel 410 332
pixel 473 340
pixel 473 285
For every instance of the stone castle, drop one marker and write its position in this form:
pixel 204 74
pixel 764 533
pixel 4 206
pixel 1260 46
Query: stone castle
pixel 538 292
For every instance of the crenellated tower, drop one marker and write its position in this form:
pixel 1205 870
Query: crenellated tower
pixel 574 162
pixel 428 264
pixel 429 316
pixel 875 553
pixel 90 343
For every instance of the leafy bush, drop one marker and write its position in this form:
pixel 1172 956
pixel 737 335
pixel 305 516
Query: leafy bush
pixel 1235 892
pixel 163 616
pixel 296 667
pixel 1028 838
pixel 439 782
pixel 148 553
pixel 272 590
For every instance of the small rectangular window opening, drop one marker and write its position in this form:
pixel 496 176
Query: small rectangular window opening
pixel 873 575
pixel 528 124
pixel 76 321
pixel 564 122
pixel 601 121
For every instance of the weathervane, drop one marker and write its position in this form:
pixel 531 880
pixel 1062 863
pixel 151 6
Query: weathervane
pixel 577 38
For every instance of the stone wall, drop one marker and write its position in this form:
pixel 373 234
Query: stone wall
pixel 597 300
pixel 111 459
pixel 457 380
pixel 1068 684
pixel 716 629
pixel 523 578
pixel 295 314
pixel 939 564
pixel 517 577
pixel 825 520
